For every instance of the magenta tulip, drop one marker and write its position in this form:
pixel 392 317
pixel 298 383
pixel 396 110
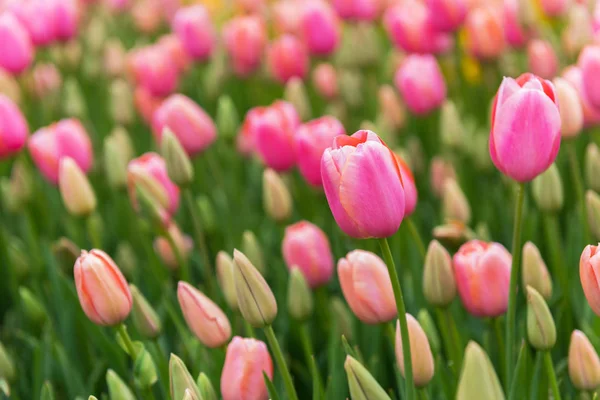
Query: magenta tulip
pixel 591 115
pixel 66 18
pixel 319 27
pixel 13 128
pixel 542 59
pixel 447 15
pixel 421 83
pixel 287 58
pixel 193 27
pixel 17 50
pixel 589 271
pixel 589 62
pixel 245 39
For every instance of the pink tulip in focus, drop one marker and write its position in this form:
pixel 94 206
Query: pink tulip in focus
pixel 146 103
pixel 447 15
pixel 525 134
pixel 17 49
pixel 193 127
pixel 421 357
pixel 589 271
pixel 319 27
pixel 421 83
pixel 514 33
pixel 482 272
pixel 325 80
pixel 193 27
pixel 287 57
pixel 153 69
pixel 203 316
pixel 589 62
pixel 591 116
pixel 150 171
pixel 102 289
pixel 312 138
pixel 367 287
pixel 66 18
pixel 245 39
pixel 242 376
pixel 66 138
pixel 306 247
pixel 13 128
pixel 361 10
pixel 542 59
pixel 569 105
pixel 410 189
pixel 272 135
pixel 554 8
pixel 36 16
pixel 360 171
pixel 485 33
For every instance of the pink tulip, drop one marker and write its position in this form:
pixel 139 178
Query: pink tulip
pixel 286 17
pixel 542 59
pixel 150 171
pixel 447 15
pixel 591 116
pixel 440 171
pixel 421 358
pixel 410 189
pixel 287 57
pixel 66 138
pixel 367 287
pixel 203 316
pixel 245 140
pixel 421 83
pixel 312 138
pixel 306 247
pixel 17 49
pixel 272 134
pixel 359 171
pixel 163 248
pixel 514 33
pixel 193 127
pixel 589 271
pixel 251 6
pixel 569 105
pixel 193 27
pixel 525 134
pixel 118 5
pixel 36 17
pixel 242 377
pixel 325 80
pixel 589 62
pixel 66 18
pixel 554 8
pixel 175 51
pixel 147 16
pixel 46 80
pixel 362 10
pixel 485 33
pixel 319 27
pixel 154 69
pixel 146 103
pixel 102 289
pixel 245 39
pixel 482 272
pixel 409 26
pixel 13 128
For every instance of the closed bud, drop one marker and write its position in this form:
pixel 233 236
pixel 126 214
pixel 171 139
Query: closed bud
pixel 454 202
pixel 295 93
pixel 351 88
pixel 453 234
pixel 592 166
pixel 180 380
pixel 92 398
pixel 478 379
pixel 150 209
pixel 206 388
pixel 534 271
pixel 276 196
pixel 178 162
pixel 255 298
pixel 75 189
pixel 593 212
pixel 421 356
pixel 125 258
pixel 117 389
pixel 225 277
pixel 7 368
pixel 251 248
pixel 584 364
pixel 362 384
pixel 74 104
pixel 115 164
pixel 144 370
pixel 188 395
pixel 342 316
pixel 541 330
pixel 300 298
pixel 392 112
pixel 47 392
pixel 228 119
pixel 547 190
pixel 428 325
pixel 479 149
pixel 32 307
pixel 207 213
pixel 439 286
pixel 145 319
pixel 451 126
pixel 121 104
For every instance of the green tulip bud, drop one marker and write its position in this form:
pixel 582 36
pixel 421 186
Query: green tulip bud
pixel 451 126
pixel 295 93
pixel 181 380
pixel 252 249
pixel 300 297
pixel 206 388
pixel 547 190
pixel 32 307
pixel 144 370
pixel 228 119
pixel 225 277
pixel 125 258
pixel 178 162
pixel 145 319
pixel 541 330
pixel 343 317
pixel 534 271
pixel 592 166
pixel 276 196
pixel 121 102
pixel 117 389
pixel 455 204
pixel 74 104
pixel 207 213
pixel 7 368
pixel 362 384
pixel 439 285
pixel 593 212
pixel 478 379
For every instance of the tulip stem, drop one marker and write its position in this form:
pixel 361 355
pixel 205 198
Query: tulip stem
pixel 416 236
pixel 283 369
pixel 200 241
pixel 93 234
pixel 576 176
pixel 163 365
pixel 451 339
pixel 310 360
pixel 551 375
pixel 514 278
pixel 408 373
pixel 182 262
pixel 122 332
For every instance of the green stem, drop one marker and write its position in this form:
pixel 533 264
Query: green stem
pixel 150 394
pixel 519 371
pixel 451 338
pixel 416 237
pixel 92 233
pixel 182 262
pixel 283 369
pixel 163 366
pixel 122 332
pixel 200 241
pixel 551 375
pixel 423 395
pixel 499 341
pixel 308 353
pixel 408 373
pixel 514 279
pixel 576 176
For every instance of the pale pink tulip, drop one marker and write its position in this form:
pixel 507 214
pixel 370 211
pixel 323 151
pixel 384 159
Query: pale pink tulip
pixel 421 83
pixel 195 30
pixel 242 377
pixel 13 128
pixel 287 57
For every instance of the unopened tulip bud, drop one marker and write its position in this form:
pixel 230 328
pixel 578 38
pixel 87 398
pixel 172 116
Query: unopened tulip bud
pixel 324 79
pixel 228 119
pixel 276 196
pixel 225 277
pixel 453 234
pixel 342 316
pixel 188 395
pixel 478 379
pixel 74 104
pixel 145 319
pixel 392 112
pixel 351 88
pixel 451 127
pixel 251 248
pixel 439 286
pixel 47 392
pixel 32 307
pixel 207 213
pixel 362 384
pixel 75 189
pixel 584 364
pixel 179 165
pixel 255 298
pixel 421 356
pixel 92 398
pixel 592 200
pixel 295 94
pixel 478 147
pixel 117 388
pixel 592 166
pixel 541 330
pixel 180 380
pixel 547 190
pixel 300 297
pixel 150 209
pixel 431 331
pixel 569 106
pixel 121 102
pixel 206 388
pixel 7 368
pixel 440 171
pixel 534 271
pixel 144 370
pixel 454 202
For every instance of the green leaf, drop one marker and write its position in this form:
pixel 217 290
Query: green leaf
pixel 270 387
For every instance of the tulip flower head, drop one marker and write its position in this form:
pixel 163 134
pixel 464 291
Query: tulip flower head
pixel 13 127
pixel 589 270
pixel 584 363
pixel 319 27
pixel 245 38
pixel 421 356
pixel 421 83
pixel 287 57
pixel 17 49
pixel 193 27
